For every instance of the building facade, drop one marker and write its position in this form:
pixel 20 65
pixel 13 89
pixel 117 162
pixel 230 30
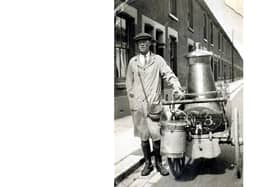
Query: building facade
pixel 175 26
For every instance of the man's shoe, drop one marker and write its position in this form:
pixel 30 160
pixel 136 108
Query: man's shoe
pixel 147 156
pixel 161 169
pixel 158 161
pixel 148 168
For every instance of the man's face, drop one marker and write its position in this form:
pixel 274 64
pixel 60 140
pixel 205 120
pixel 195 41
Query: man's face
pixel 144 46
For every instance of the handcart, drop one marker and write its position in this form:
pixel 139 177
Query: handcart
pixel 199 120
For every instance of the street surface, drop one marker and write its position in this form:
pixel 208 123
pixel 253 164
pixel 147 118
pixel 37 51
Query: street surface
pixel 219 172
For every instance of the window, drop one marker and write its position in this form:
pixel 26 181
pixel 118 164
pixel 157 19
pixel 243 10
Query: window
pixel 221 70
pixel 219 40
pixel 190 13
pixel 212 64
pixel 124 32
pixel 211 32
pixel 159 43
pixel 149 29
pixel 222 40
pixel 215 70
pixel 205 26
pixel 173 7
pixel 173 54
pixel 230 72
pixel 218 69
pixel 225 70
pixel 160 49
pixel 121 47
pixel 190 48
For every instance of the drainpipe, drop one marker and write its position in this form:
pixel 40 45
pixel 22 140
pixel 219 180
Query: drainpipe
pixel 232 59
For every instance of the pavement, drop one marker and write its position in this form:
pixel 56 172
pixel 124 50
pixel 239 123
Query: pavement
pixel 128 154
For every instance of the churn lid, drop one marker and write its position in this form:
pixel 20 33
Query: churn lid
pixel 199 51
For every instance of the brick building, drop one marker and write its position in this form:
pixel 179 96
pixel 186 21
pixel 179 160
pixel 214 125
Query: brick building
pixel 175 26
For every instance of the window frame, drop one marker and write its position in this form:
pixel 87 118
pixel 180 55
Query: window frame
pixel 212 33
pixel 160 45
pixel 190 16
pixel 222 44
pixel 123 48
pixel 219 41
pixel 174 65
pixel 173 10
pixel 205 28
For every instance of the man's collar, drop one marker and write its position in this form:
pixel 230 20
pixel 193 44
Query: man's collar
pixel 147 54
pixel 151 59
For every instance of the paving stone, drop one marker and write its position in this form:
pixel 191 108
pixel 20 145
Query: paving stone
pixel 155 178
pixel 148 184
pixel 139 183
pixel 126 163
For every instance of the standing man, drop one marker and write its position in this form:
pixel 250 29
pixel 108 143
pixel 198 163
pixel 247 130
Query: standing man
pixel 143 82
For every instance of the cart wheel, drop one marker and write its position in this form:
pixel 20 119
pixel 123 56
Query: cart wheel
pixel 176 166
pixel 238 156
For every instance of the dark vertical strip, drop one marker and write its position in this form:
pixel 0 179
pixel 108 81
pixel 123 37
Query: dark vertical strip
pixel 232 68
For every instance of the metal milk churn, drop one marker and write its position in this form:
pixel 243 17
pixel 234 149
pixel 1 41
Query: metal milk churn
pixel 200 82
pixel 201 85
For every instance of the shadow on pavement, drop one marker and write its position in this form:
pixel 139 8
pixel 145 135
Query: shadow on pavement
pixel 215 166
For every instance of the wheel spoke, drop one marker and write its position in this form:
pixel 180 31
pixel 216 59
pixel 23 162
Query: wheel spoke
pixel 176 166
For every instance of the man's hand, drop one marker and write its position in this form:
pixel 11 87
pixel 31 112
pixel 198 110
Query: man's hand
pixel 177 94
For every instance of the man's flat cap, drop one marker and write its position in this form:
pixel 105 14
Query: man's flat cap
pixel 142 36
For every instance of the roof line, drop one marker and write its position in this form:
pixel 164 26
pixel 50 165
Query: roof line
pixel 204 5
pixel 233 10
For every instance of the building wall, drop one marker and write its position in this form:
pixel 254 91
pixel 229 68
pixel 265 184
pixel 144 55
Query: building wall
pixel 157 11
pixel 182 43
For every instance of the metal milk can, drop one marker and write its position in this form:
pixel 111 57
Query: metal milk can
pixel 200 82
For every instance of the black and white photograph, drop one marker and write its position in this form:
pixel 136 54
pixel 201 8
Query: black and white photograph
pixel 139 93
pixel 178 93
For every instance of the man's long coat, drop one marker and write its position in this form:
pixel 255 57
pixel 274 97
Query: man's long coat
pixel 151 74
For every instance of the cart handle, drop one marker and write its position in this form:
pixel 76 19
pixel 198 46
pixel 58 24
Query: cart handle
pixel 190 101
